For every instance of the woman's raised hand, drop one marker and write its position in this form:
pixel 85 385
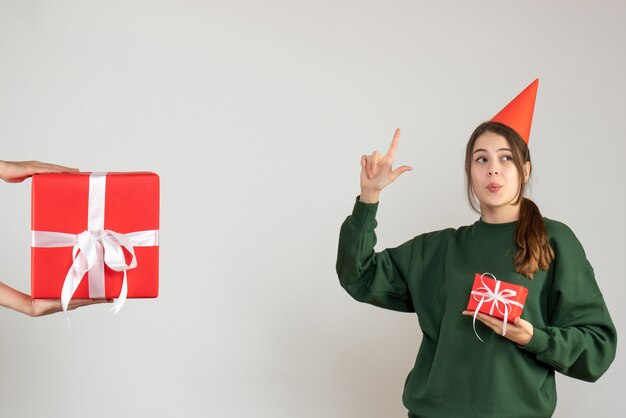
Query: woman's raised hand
pixel 377 172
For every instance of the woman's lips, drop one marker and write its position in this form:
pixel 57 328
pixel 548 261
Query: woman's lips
pixel 494 187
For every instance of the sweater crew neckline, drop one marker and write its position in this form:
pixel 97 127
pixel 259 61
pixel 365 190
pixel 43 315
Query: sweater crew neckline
pixel 489 228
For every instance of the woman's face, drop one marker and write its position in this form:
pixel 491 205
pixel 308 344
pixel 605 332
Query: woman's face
pixel 494 177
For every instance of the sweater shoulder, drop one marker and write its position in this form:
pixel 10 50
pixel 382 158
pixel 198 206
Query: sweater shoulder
pixel 558 232
pixel 565 243
pixel 441 236
pixel 556 228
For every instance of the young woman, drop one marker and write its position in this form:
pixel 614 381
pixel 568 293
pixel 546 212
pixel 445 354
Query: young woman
pixel 565 325
pixel 15 172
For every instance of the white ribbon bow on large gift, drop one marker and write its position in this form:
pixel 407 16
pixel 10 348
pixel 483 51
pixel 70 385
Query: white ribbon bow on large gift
pixel 499 297
pixel 95 247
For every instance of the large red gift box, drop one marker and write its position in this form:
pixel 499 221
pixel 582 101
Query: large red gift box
pixel 497 298
pixel 114 206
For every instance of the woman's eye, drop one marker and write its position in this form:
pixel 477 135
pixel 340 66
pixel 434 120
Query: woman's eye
pixel 507 158
pixel 481 160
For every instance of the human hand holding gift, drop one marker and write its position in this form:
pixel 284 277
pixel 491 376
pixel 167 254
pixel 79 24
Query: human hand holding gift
pixel 499 305
pixel 520 331
pixel 21 302
pixel 18 171
pixel 15 172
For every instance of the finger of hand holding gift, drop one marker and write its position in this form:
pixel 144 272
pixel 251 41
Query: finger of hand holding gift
pixel 526 328
pixel 17 171
pixel 41 307
pixel 40 167
pixel 494 323
pixel 77 303
pixel 520 332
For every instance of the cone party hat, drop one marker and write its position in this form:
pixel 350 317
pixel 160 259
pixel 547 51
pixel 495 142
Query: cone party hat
pixel 519 113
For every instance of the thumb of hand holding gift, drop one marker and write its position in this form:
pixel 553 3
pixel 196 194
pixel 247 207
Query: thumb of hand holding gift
pixel 376 171
pixel 15 172
pixel 520 331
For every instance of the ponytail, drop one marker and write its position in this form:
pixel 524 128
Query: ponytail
pixel 533 247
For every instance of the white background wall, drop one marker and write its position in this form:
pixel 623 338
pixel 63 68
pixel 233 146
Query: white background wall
pixel 255 114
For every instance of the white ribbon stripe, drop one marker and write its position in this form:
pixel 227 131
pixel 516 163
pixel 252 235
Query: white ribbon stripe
pixel 95 247
pixel 502 301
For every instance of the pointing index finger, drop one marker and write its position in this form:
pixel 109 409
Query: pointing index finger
pixel 391 153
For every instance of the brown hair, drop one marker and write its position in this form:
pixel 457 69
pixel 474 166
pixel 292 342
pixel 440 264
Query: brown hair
pixel 533 250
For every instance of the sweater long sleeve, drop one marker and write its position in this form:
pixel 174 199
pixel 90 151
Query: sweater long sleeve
pixel 579 338
pixel 375 278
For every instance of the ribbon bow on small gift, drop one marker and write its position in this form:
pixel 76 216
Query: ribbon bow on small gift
pixel 502 301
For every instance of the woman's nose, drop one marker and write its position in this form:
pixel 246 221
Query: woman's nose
pixel 493 170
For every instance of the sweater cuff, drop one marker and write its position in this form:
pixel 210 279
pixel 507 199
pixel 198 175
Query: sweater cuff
pixel 538 343
pixel 364 212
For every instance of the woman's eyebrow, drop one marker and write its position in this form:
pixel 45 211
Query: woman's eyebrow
pixel 500 149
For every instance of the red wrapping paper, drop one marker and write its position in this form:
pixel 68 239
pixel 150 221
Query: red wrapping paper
pixel 60 203
pixel 488 283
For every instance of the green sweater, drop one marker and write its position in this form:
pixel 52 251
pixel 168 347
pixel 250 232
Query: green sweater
pixel 456 375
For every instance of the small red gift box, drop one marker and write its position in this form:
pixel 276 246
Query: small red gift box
pixel 497 298
pixel 95 235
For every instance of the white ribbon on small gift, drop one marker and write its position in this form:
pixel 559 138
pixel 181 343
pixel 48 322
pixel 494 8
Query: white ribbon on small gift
pixel 95 247
pixel 498 297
